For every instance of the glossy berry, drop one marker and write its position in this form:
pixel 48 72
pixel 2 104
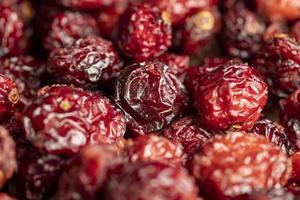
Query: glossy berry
pixel 14 35
pixel 150 95
pixel 189 133
pixel 279 59
pixel 8 164
pixel 144 180
pixel 64 119
pixel 67 27
pixel 232 96
pixel 27 72
pixel 243 32
pixel 238 163
pixel 275 133
pixel 86 63
pixel 86 4
pixel 154 148
pixel 86 172
pixel 144 32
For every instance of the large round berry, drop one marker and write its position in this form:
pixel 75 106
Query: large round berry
pixel 86 63
pixel 86 4
pixel 279 59
pixel 237 163
pixel 232 96
pixel 64 119
pixel 150 95
pixel 66 27
pixel 144 32
pixel 146 181
pixel 189 133
pixel 154 148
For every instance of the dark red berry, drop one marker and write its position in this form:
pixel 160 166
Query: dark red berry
pixel 243 32
pixel 275 133
pixel 232 96
pixel 86 63
pixel 86 4
pixel 150 95
pixel 144 180
pixel 4 196
pixel 238 163
pixel 67 27
pixel 86 172
pixel 64 119
pixel 279 59
pixel 295 158
pixel 154 148
pixel 144 32
pixel 189 133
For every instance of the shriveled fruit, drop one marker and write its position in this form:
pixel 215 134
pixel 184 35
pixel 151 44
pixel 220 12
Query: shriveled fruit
pixel 64 119
pixel 189 133
pixel 145 181
pixel 150 95
pixel 144 32
pixel 86 4
pixel 154 148
pixel 86 63
pixel 231 97
pixel 238 163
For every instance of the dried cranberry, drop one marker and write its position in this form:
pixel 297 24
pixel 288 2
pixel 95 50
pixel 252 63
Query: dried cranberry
pixel 144 32
pixel 144 180
pixel 243 32
pixel 86 172
pixel 66 27
pixel 154 148
pixel 86 63
pixel 64 119
pixel 8 163
pixel 150 95
pixel 279 10
pixel 189 133
pixel 86 4
pixel 4 196
pixel 277 60
pixel 233 96
pixel 275 133
pixel 238 163
pixel 296 31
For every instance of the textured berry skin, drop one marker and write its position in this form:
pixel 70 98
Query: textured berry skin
pixel 150 95
pixel 279 10
pixel 86 4
pixel 154 148
pixel 278 59
pixel 189 133
pixel 26 71
pixel 64 119
pixel 295 158
pixel 86 172
pixel 145 181
pixel 144 32
pixel 67 27
pixel 242 33
pixel 4 196
pixel 275 194
pixel 14 35
pixel 233 96
pixel 177 63
pixel 8 163
pixel 238 163
pixel 86 63
pixel 289 116
pixel 275 133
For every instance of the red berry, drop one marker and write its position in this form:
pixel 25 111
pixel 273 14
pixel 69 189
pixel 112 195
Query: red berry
pixel 4 196
pixel 296 167
pixel 189 133
pixel 86 4
pixel 277 60
pixel 150 95
pixel 232 96
pixel 64 119
pixel 275 194
pixel 143 180
pixel 86 63
pixel 144 32
pixel 238 163
pixel 154 148
pixel 67 27
pixel 86 172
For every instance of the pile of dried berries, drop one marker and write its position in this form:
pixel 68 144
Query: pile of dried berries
pixel 150 99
